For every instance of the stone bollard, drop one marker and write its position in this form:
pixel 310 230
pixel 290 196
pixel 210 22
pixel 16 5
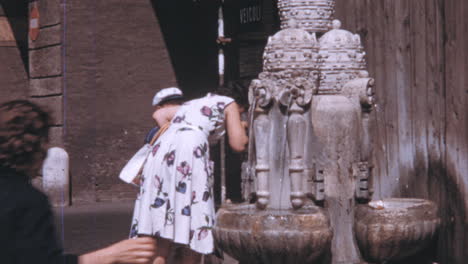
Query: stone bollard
pixel 56 182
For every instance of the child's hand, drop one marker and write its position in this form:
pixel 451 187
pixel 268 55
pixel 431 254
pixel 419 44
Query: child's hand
pixel 245 124
pixel 130 251
pixel 138 250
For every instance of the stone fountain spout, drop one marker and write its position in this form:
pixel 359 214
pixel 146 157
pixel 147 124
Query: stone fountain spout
pixel 295 100
pixel 282 95
pixel 261 127
pixel 296 132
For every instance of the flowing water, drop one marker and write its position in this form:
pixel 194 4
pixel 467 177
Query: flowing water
pixel 250 173
pixel 284 162
pixel 278 151
pixel 377 112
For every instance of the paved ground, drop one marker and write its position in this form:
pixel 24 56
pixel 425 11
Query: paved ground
pixel 87 227
pixel 84 228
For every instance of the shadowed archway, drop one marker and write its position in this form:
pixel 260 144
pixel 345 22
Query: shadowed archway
pixel 190 31
pixel 17 13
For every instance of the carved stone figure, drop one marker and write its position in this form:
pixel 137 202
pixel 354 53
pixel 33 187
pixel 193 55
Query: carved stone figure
pixel 314 16
pixel 341 59
pixel 339 116
pixel 287 84
pixel 343 75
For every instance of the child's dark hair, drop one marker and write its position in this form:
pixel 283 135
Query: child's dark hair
pixel 24 127
pixel 238 90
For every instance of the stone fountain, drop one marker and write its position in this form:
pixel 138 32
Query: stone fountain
pixel 311 156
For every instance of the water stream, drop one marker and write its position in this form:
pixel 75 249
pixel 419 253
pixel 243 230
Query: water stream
pixel 377 111
pixel 250 173
pixel 284 162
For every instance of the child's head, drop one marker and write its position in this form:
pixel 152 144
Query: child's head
pixel 24 130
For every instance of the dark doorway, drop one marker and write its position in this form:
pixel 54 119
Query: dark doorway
pixel 190 31
pixel 16 12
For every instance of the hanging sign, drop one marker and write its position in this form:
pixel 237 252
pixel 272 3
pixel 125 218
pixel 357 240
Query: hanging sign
pixel 250 14
pixel 34 21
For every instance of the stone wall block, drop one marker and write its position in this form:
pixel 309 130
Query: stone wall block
pixel 56 136
pixel 45 86
pixel 47 36
pixel 50 12
pixel 45 62
pixel 53 105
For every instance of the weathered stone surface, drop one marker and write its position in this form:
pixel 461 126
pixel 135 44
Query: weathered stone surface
pixel 50 12
pixel 45 86
pixel 13 75
pixel 312 15
pixel 47 36
pixel 56 136
pixel 45 62
pixel 395 228
pixel 54 105
pixel 273 236
pixel 55 176
pixel 335 122
pixel 116 61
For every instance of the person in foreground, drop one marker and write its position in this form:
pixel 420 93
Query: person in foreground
pixel 26 220
pixel 175 203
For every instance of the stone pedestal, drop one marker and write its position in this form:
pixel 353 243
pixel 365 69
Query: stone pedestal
pixel 55 173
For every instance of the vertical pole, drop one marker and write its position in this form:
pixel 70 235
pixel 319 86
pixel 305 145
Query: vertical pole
pixel 212 259
pixel 221 82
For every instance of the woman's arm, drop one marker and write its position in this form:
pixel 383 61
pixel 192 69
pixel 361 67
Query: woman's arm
pixel 35 239
pixel 165 114
pixel 235 128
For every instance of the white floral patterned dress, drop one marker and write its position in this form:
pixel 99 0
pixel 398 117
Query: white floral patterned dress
pixel 176 198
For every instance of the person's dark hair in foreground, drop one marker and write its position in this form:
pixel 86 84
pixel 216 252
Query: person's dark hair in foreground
pixel 26 221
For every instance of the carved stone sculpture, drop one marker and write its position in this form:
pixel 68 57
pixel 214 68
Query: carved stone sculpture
pixel 311 15
pixel 287 82
pixel 311 133
pixel 338 121
pixel 341 59
pixel 261 127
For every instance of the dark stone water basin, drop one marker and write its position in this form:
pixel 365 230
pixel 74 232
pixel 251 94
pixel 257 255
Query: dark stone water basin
pixel 273 236
pixel 395 228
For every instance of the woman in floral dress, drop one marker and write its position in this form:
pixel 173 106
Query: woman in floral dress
pixel 175 203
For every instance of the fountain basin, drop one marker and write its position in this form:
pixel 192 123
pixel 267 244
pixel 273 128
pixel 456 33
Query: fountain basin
pixel 395 228
pixel 273 236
